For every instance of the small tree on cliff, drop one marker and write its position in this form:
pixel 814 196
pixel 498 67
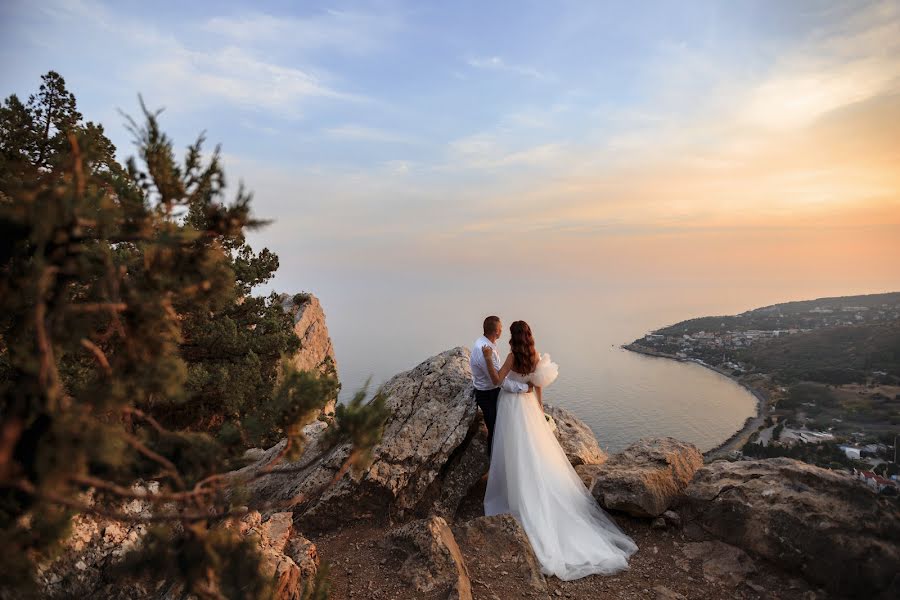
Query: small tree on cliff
pixel 111 283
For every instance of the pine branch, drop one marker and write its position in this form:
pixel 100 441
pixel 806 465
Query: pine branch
pixel 98 355
pixel 48 375
pixel 91 307
pixel 130 410
pixel 124 492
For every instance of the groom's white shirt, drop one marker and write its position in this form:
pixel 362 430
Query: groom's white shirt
pixel 481 378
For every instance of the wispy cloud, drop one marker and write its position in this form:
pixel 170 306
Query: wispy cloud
pixel 185 72
pixel 495 63
pixel 369 134
pixel 337 31
pixel 234 76
pixel 834 67
pixel 490 151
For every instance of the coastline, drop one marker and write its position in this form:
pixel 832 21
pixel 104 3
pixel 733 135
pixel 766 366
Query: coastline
pixel 736 440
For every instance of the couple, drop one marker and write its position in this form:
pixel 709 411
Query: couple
pixel 530 476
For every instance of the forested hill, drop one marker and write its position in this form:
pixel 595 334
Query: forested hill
pixel 799 315
pixel 835 355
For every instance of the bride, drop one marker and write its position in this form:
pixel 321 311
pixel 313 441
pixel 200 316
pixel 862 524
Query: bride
pixel 531 477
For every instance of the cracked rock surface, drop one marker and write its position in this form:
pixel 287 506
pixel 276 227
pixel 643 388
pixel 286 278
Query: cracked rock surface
pixel 818 522
pixel 432 413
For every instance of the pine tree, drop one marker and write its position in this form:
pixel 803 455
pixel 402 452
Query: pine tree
pixel 55 115
pixel 118 287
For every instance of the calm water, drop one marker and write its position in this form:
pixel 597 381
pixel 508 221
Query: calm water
pixel 621 395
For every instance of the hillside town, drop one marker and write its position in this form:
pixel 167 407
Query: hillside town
pixel 823 372
pixel 742 331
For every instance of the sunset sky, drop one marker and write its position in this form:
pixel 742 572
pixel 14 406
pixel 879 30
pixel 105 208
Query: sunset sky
pixel 426 142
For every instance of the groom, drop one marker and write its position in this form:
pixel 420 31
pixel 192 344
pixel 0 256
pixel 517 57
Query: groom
pixel 485 363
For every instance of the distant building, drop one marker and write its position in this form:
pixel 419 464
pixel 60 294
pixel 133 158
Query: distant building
pixel 803 436
pixel 851 452
pixel 814 437
pixel 876 482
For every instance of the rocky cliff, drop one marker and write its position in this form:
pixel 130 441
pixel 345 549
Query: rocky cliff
pixel 411 526
pixel 316 350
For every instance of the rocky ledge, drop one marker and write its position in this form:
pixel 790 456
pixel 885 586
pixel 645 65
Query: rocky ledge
pixel 820 523
pixel 411 525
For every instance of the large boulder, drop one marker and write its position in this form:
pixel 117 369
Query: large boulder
pixel 644 479
pixel 499 557
pixel 431 415
pixel 575 437
pixel 821 523
pixel 433 562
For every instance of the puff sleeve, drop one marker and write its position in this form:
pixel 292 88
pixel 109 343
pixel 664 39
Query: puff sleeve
pixel 545 373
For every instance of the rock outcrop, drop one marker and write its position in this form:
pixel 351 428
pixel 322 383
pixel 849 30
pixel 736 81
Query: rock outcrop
pixel 432 414
pixel 316 351
pixel 95 546
pixel 90 563
pixel 433 562
pixel 821 523
pixel 289 559
pixel 575 437
pixel 644 479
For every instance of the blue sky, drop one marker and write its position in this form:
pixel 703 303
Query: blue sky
pixel 608 139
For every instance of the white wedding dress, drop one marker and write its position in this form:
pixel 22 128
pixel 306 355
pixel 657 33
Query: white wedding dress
pixel 531 478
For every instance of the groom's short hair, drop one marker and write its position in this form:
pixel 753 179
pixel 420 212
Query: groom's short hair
pixel 490 324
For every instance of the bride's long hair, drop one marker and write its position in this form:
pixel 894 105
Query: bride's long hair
pixel 521 344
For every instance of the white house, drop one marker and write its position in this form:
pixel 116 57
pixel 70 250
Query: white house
pixel 851 452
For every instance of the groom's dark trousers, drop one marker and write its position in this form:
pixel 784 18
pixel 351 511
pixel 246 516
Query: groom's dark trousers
pixel 487 402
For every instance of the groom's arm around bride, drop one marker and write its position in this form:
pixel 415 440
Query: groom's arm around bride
pixel 484 361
